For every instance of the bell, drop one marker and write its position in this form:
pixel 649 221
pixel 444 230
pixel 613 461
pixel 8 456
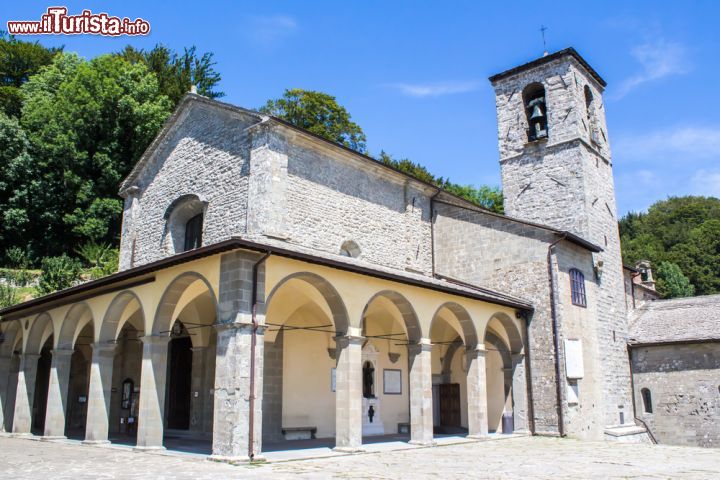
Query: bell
pixel 536 112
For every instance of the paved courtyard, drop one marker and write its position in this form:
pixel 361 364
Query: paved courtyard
pixel 519 457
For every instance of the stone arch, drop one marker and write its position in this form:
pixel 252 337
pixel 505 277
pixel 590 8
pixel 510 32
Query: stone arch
pixel 511 329
pixel 453 348
pixel 176 216
pixel 163 321
pixel 110 327
pixel 72 325
pixel 328 292
pixel 469 332
pixel 38 335
pixel 12 333
pixel 410 318
pixel 502 348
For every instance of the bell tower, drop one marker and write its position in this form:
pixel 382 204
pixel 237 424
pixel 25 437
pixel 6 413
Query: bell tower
pixel 557 170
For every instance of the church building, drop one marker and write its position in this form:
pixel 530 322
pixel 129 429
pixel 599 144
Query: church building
pixel 275 286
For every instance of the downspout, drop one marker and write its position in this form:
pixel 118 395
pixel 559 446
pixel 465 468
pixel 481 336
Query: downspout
pixel 432 230
pixel 556 339
pixel 253 345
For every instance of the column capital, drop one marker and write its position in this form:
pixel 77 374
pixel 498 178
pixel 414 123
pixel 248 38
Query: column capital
pixel 62 352
pixel 103 347
pixel 476 351
pixel 343 341
pixel 199 348
pixel 422 345
pixel 155 339
pixel 241 325
pixel 517 357
pixel 30 356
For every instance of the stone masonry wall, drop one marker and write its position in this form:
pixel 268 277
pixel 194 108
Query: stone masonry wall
pixel 206 154
pixel 684 382
pixel 566 182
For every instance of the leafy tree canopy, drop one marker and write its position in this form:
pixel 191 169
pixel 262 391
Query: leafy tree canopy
pixel 684 231
pixel 18 61
pixel 177 73
pixel 318 113
pixel 671 282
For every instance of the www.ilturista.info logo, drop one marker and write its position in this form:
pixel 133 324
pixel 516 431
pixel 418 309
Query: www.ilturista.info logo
pixel 57 22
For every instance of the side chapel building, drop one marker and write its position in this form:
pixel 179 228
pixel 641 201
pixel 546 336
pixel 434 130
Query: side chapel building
pixel 274 285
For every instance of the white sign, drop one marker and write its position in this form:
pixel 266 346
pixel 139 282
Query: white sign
pixel 574 367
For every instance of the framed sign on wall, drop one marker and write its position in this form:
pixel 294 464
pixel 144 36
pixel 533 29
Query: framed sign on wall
pixel 392 381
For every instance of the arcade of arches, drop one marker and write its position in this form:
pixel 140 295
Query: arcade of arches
pixel 243 351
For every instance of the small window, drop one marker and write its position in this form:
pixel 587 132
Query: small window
pixel 647 400
pixel 193 232
pixel 577 288
pixel 536 111
pixel 350 249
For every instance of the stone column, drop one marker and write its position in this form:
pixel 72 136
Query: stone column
pixel 11 392
pixel 519 394
pixel 231 418
pixel 421 401
pixel 348 393
pixel 57 394
pixel 25 394
pixel 4 380
pixel 477 392
pixel 99 393
pixel 197 385
pixel 151 406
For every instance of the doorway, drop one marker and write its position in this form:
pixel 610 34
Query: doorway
pixel 449 404
pixel 180 380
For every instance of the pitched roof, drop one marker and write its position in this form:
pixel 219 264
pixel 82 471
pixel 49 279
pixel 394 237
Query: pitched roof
pixel 689 319
pixel 547 59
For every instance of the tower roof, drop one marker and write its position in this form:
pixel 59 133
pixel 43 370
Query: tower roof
pixel 547 59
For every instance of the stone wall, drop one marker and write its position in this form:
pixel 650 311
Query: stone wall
pixel 684 383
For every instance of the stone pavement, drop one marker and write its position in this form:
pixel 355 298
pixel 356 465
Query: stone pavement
pixel 519 457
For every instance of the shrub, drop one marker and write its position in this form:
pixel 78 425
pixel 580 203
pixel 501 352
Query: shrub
pixel 58 273
pixel 8 296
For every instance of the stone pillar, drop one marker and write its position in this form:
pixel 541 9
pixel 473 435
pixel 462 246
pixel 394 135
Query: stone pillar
pixel 272 389
pixel 25 394
pixel 57 394
pixel 519 392
pixel 421 401
pixel 99 393
pixel 11 392
pixel 477 392
pixel 151 406
pixel 4 380
pixel 348 393
pixel 197 386
pixel 231 418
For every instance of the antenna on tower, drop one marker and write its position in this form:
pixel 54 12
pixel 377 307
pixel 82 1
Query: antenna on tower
pixel 543 28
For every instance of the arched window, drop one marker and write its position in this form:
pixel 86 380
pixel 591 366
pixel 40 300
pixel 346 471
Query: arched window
pixel 577 287
pixel 536 111
pixel 184 224
pixel 350 249
pixel 647 400
pixel 588 102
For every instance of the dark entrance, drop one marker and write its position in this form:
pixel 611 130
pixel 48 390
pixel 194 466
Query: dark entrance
pixel 449 404
pixel 178 402
pixel 42 384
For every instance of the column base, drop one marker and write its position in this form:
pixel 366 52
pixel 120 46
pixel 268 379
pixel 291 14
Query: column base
pixel 148 449
pixel 478 436
pixel 237 460
pixel 50 438
pixel 22 435
pixel 95 442
pixel 423 443
pixel 348 449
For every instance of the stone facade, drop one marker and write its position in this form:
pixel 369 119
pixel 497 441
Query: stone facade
pixel 683 382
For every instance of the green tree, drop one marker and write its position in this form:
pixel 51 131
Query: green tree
pixel 318 113
pixel 671 282
pixel 101 259
pixel 680 230
pixel 177 73
pixel 58 273
pixel 8 296
pixel 87 124
pixel 18 61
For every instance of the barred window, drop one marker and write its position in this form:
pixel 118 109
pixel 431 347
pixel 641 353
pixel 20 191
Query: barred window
pixel 577 287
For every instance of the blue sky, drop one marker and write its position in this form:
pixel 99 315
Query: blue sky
pixel 414 74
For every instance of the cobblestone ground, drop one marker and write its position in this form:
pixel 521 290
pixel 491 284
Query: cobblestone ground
pixel 509 458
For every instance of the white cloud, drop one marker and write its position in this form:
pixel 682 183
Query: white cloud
pixel 269 31
pixel 658 59
pixel 682 143
pixel 707 182
pixel 435 89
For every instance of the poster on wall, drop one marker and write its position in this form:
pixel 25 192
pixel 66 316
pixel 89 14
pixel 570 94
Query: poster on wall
pixel 392 381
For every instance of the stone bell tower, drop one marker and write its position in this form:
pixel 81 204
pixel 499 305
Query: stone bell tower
pixel 557 171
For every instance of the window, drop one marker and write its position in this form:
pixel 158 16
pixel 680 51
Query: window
pixel 577 288
pixel 536 111
pixel 350 249
pixel 647 400
pixel 193 232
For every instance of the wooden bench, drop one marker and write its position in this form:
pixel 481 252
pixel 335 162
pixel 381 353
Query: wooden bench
pixel 299 433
